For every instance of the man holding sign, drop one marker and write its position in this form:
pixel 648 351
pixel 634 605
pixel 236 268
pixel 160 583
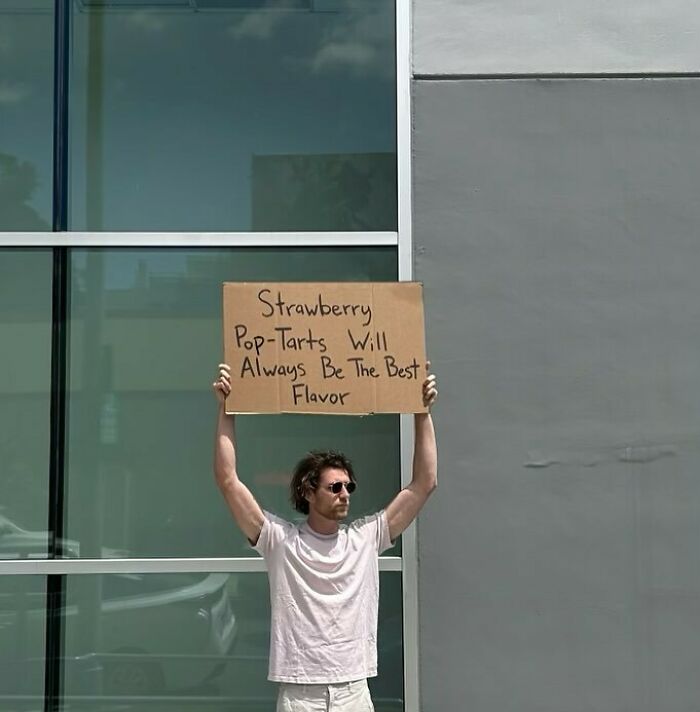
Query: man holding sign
pixel 324 577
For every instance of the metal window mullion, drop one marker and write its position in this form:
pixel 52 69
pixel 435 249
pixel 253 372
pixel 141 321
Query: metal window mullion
pixel 405 260
pixel 71 567
pixel 55 589
pixel 403 138
pixel 60 120
pixel 200 239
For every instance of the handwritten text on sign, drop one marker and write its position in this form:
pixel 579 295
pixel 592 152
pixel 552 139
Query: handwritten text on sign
pixel 324 347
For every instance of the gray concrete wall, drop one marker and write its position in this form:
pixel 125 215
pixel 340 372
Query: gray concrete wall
pixel 557 230
pixel 544 36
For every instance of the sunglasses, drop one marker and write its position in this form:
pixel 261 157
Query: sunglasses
pixel 336 487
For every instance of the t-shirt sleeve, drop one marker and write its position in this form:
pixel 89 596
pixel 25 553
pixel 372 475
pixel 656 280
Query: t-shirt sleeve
pixel 376 529
pixel 384 541
pixel 274 531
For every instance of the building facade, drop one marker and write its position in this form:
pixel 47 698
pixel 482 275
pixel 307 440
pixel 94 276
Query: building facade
pixel 534 167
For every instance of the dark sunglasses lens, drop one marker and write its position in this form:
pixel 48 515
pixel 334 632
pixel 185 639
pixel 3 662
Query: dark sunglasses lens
pixel 336 487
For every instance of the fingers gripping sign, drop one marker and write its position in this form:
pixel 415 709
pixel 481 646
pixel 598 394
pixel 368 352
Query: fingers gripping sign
pixel 222 385
pixel 430 392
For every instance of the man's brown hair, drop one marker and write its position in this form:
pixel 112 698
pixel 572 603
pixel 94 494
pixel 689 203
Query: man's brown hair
pixel 308 471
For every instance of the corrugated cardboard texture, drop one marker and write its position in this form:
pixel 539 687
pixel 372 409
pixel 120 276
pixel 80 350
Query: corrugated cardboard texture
pixel 324 347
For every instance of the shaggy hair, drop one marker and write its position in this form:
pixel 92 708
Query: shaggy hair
pixel 308 472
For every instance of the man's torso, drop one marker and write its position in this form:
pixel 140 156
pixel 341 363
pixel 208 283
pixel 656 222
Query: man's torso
pixel 324 598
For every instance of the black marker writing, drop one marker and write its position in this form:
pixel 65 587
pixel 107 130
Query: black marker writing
pixel 329 370
pixel 362 371
pixel 317 307
pixel 369 341
pixel 254 368
pixel 294 342
pixel 409 372
pixel 301 393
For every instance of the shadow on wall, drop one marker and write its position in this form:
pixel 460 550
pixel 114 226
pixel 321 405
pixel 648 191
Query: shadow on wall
pixel 18 181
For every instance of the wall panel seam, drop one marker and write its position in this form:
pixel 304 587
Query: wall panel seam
pixel 554 75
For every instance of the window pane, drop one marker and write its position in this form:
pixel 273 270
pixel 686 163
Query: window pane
pixel 145 338
pixel 26 114
pixel 22 647
pixel 202 639
pixel 223 115
pixel 25 368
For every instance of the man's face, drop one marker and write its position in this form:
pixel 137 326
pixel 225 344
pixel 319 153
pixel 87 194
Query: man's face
pixel 322 501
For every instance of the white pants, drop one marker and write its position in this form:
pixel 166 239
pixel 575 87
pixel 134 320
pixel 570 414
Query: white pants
pixel 336 697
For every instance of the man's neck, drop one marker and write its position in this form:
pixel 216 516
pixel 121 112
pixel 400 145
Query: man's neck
pixel 322 525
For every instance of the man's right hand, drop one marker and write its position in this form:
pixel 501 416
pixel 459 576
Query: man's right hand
pixel 222 385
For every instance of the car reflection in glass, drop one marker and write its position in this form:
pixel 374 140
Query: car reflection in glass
pixel 124 634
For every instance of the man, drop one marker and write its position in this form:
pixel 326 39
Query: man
pixel 324 576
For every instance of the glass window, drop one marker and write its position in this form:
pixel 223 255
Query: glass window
pixel 26 114
pixel 25 370
pixel 22 642
pixel 145 338
pixel 202 639
pixel 226 115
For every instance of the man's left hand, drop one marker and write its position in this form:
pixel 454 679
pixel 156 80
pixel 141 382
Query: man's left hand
pixel 430 392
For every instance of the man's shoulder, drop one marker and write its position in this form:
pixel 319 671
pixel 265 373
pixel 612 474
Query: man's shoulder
pixel 278 528
pixel 373 530
pixel 277 521
pixel 368 521
pixel 275 531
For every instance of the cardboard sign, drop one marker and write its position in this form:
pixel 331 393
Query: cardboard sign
pixel 330 347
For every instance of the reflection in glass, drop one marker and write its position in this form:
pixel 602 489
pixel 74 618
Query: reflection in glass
pixel 147 634
pixel 22 630
pixel 145 338
pixel 25 368
pixel 221 115
pixel 202 638
pixel 26 114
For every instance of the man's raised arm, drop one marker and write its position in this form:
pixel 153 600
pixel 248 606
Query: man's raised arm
pixel 404 508
pixel 245 509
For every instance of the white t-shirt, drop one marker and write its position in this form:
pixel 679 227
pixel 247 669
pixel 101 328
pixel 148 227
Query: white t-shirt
pixel 324 591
